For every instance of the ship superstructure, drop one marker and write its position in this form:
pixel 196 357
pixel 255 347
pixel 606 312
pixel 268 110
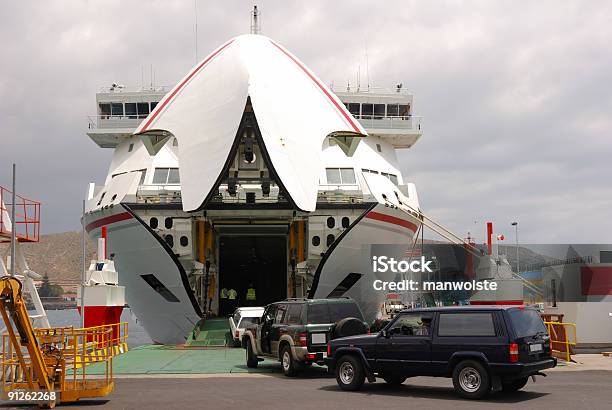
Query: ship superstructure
pixel 237 178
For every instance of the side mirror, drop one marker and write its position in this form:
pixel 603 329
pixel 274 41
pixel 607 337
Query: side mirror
pixel 384 333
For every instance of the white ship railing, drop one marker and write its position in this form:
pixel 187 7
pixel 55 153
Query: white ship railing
pixel 368 90
pixel 114 121
pixel 406 122
pixel 159 193
pixel 118 88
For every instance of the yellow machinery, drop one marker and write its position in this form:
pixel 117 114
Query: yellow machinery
pixel 46 365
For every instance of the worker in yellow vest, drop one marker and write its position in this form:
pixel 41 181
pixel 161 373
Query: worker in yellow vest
pixel 250 295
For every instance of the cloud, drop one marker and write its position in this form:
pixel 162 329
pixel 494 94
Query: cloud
pixel 516 100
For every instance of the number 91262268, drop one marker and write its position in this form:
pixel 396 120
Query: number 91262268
pixel 23 395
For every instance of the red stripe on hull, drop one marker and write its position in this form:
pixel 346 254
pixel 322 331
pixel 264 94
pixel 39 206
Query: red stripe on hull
pixel 124 216
pixel 392 220
pixel 181 85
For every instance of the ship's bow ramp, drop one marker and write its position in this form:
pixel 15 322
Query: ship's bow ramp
pixel 294 112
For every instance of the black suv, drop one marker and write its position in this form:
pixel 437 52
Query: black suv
pixel 296 331
pixel 481 348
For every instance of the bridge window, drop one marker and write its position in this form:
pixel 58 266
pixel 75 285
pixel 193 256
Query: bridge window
pixel 130 110
pixel 367 110
pixel 105 110
pixel 340 176
pixel 153 105
pixel 404 110
pixel 354 109
pixel 168 176
pixel 143 110
pixel 117 109
pixel 379 111
pixel 368 171
pixel 392 110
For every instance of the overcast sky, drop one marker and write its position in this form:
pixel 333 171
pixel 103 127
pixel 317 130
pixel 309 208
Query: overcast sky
pixel 516 99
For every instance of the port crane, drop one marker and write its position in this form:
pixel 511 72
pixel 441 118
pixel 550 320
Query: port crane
pixel 47 360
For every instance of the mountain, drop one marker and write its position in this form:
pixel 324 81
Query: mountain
pixel 57 255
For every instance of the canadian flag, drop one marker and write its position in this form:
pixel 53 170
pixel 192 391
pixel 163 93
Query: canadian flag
pixel 501 237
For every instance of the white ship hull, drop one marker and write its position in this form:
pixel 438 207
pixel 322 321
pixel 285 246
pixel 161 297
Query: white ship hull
pixel 169 317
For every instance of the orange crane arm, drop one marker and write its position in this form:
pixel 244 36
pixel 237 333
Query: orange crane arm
pixel 11 301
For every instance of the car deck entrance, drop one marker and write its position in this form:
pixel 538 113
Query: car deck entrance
pixel 260 261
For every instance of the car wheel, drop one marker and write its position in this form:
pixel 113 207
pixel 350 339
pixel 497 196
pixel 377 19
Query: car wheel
pixel 290 367
pixel 251 358
pixel 514 385
pixel 394 380
pixel 350 373
pixel 471 380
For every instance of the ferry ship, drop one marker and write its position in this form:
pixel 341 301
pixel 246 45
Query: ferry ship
pixel 249 173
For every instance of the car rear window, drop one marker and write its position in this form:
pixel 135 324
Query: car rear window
pixel 318 313
pixel 526 322
pixel 247 321
pixel 339 311
pixel 332 312
pixel 466 324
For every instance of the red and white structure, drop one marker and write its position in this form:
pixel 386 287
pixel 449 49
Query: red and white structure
pixel 103 298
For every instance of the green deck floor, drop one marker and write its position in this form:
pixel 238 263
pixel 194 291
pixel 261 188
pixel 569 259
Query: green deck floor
pixel 158 359
pixel 211 332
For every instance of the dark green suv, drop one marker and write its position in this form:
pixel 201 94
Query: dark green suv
pixel 296 331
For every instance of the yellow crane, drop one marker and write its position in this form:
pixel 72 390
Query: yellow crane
pixel 45 365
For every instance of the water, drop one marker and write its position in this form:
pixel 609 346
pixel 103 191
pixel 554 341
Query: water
pixel 70 317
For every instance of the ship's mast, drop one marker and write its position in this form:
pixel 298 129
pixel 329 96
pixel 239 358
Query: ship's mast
pixel 255 27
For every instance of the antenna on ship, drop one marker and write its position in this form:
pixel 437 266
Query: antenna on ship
pixel 255 27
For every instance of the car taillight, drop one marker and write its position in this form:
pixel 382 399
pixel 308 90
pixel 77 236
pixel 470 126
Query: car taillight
pixel 311 356
pixel 303 339
pixel 237 334
pixel 514 353
pixel 328 349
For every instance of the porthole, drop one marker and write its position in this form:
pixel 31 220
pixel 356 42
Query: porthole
pixel 184 241
pixel 316 240
pixel 346 222
pixel 153 223
pixel 330 239
pixel 331 222
pixel 169 240
pixel 168 223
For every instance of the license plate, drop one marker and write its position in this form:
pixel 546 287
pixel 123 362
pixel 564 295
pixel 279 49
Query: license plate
pixel 318 338
pixel 535 348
